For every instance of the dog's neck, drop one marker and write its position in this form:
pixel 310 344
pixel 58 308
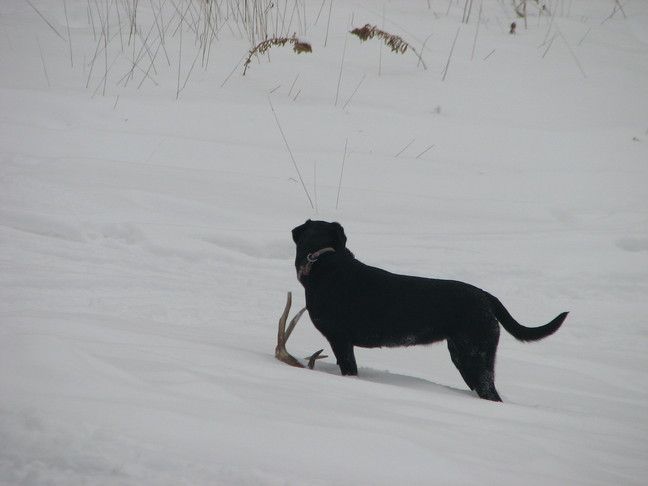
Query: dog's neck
pixel 311 258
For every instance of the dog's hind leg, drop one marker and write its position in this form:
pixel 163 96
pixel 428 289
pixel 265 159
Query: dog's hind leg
pixel 486 385
pixel 457 358
pixel 476 363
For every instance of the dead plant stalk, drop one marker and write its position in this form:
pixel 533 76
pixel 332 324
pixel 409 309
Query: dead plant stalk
pixel 394 42
pixel 264 46
pixel 292 157
pixel 445 71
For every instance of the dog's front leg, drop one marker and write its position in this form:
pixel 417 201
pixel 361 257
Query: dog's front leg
pixel 343 350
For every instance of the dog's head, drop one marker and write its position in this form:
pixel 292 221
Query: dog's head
pixel 313 236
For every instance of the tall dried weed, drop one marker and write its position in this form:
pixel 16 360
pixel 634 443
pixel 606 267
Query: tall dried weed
pixel 394 42
pixel 262 47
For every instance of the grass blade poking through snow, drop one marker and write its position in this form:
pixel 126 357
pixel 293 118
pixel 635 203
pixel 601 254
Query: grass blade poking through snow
pixel 394 42
pixel 46 21
pixel 445 71
pixel 67 23
pixel 337 200
pixel 354 91
pixel 337 91
pixel 40 49
pixel 292 157
pixel 262 47
pixel 472 55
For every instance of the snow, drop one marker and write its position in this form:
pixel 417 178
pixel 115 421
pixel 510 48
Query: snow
pixel 145 249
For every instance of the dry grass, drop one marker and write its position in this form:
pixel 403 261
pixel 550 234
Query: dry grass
pixel 394 42
pixel 262 47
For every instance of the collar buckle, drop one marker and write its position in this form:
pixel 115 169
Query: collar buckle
pixel 310 259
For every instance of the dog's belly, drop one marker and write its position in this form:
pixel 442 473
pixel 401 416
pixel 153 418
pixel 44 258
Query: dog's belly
pixel 409 340
pixel 393 338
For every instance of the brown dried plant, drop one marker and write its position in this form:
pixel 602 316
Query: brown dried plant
pixel 262 47
pixel 394 42
pixel 520 7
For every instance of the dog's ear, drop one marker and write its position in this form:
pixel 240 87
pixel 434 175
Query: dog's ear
pixel 340 237
pixel 297 232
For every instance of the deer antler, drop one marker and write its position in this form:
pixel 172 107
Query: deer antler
pixel 283 334
pixel 314 357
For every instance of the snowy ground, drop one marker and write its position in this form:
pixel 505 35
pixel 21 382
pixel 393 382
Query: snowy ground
pixel 145 246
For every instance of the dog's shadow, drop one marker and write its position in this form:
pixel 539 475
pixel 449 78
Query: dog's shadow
pixel 385 377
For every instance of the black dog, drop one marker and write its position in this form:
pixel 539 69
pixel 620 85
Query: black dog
pixel 353 304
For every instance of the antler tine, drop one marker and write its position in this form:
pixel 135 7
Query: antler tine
pixel 282 335
pixel 293 323
pixel 314 357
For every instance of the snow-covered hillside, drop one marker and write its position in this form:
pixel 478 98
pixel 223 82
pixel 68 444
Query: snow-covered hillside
pixel 147 197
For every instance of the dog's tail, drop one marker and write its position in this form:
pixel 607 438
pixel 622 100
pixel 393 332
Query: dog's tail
pixel 517 330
